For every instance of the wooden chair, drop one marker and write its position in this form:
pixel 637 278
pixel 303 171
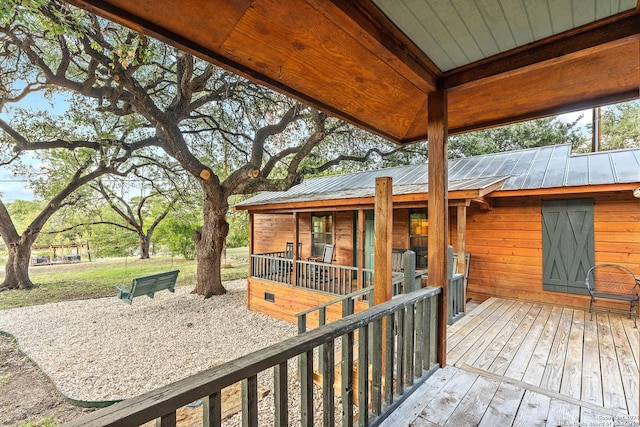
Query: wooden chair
pixel 615 283
pixel 397 263
pixel 327 255
pixel 288 252
pixel 321 273
pixel 467 263
pixel 148 285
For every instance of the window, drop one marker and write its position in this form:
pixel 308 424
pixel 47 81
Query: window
pixel 321 233
pixel 567 244
pixel 418 232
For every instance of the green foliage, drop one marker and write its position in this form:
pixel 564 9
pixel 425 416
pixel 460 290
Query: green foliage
pixel 621 126
pixel 175 233
pixel 42 422
pixel 23 212
pixel 238 229
pixel 517 136
pixel 4 378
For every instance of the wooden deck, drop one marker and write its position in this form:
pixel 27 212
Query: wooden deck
pixel 514 363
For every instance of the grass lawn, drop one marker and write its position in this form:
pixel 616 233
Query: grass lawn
pixel 67 282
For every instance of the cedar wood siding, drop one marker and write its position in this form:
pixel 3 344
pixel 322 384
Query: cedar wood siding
pixel 506 245
pixel 271 232
pixel 505 242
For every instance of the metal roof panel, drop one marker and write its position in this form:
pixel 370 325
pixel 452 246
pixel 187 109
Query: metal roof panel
pixel 544 167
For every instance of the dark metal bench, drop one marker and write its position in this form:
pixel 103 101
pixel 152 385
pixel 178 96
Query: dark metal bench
pixel 148 285
pixel 615 283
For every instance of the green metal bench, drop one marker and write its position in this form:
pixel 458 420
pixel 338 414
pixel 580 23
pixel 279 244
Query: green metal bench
pixel 148 285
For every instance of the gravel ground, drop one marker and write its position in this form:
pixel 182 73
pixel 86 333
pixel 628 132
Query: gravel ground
pixel 104 349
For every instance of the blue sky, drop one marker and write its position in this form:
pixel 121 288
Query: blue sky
pixel 16 187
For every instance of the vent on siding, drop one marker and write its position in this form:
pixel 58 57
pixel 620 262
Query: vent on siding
pixel 269 297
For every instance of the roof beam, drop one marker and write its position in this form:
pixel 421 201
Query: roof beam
pixel 585 37
pixel 372 20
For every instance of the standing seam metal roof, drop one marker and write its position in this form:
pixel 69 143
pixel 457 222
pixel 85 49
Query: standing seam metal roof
pixel 544 167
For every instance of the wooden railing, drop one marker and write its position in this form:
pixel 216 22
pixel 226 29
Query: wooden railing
pixel 272 266
pixel 396 340
pixel 346 301
pixel 331 278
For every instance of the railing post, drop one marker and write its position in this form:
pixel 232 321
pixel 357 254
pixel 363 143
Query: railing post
pixel 296 252
pixel 409 266
pixel 438 212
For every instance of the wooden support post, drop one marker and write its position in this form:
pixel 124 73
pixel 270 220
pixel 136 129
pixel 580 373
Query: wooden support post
pixel 296 254
pixel 461 222
pixel 438 210
pixel 361 243
pixel 383 234
pixel 251 243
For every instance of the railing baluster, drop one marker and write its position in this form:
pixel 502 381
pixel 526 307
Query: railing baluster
pixel 434 330
pixel 280 395
pixel 328 375
pixel 388 360
pixel 168 420
pixel 305 370
pixel 419 337
pixel 408 345
pixel 427 338
pixel 363 375
pixel 250 402
pixel 322 320
pixel 212 410
pixel 302 323
pixel 347 374
pixel 400 351
pixel 376 368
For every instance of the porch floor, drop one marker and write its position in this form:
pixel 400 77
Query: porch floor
pixel 515 363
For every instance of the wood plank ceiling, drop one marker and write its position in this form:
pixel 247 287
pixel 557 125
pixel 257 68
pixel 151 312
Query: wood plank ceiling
pixel 374 63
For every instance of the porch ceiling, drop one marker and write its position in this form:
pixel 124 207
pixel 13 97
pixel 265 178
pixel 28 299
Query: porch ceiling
pixel 374 64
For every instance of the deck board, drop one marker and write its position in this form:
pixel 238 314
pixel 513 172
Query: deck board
pixel 507 353
pixel 538 363
pixel 521 359
pixel 528 364
pixel 613 390
pixel 488 337
pixel 474 404
pixel 552 377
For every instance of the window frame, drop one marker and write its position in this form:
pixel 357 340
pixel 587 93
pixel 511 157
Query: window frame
pixel 420 250
pixel 318 247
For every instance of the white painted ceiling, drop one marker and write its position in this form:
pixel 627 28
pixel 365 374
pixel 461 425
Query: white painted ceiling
pixel 454 33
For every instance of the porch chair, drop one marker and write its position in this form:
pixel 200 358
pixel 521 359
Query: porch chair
pixel 467 263
pixel 288 252
pixel 321 273
pixel 615 283
pixel 327 255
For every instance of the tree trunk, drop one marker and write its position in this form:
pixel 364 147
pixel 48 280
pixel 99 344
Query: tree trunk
pixel 209 242
pixel 16 274
pixel 145 244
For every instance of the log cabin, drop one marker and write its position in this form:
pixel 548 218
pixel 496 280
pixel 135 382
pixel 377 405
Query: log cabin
pixel 533 221
pixel 408 72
